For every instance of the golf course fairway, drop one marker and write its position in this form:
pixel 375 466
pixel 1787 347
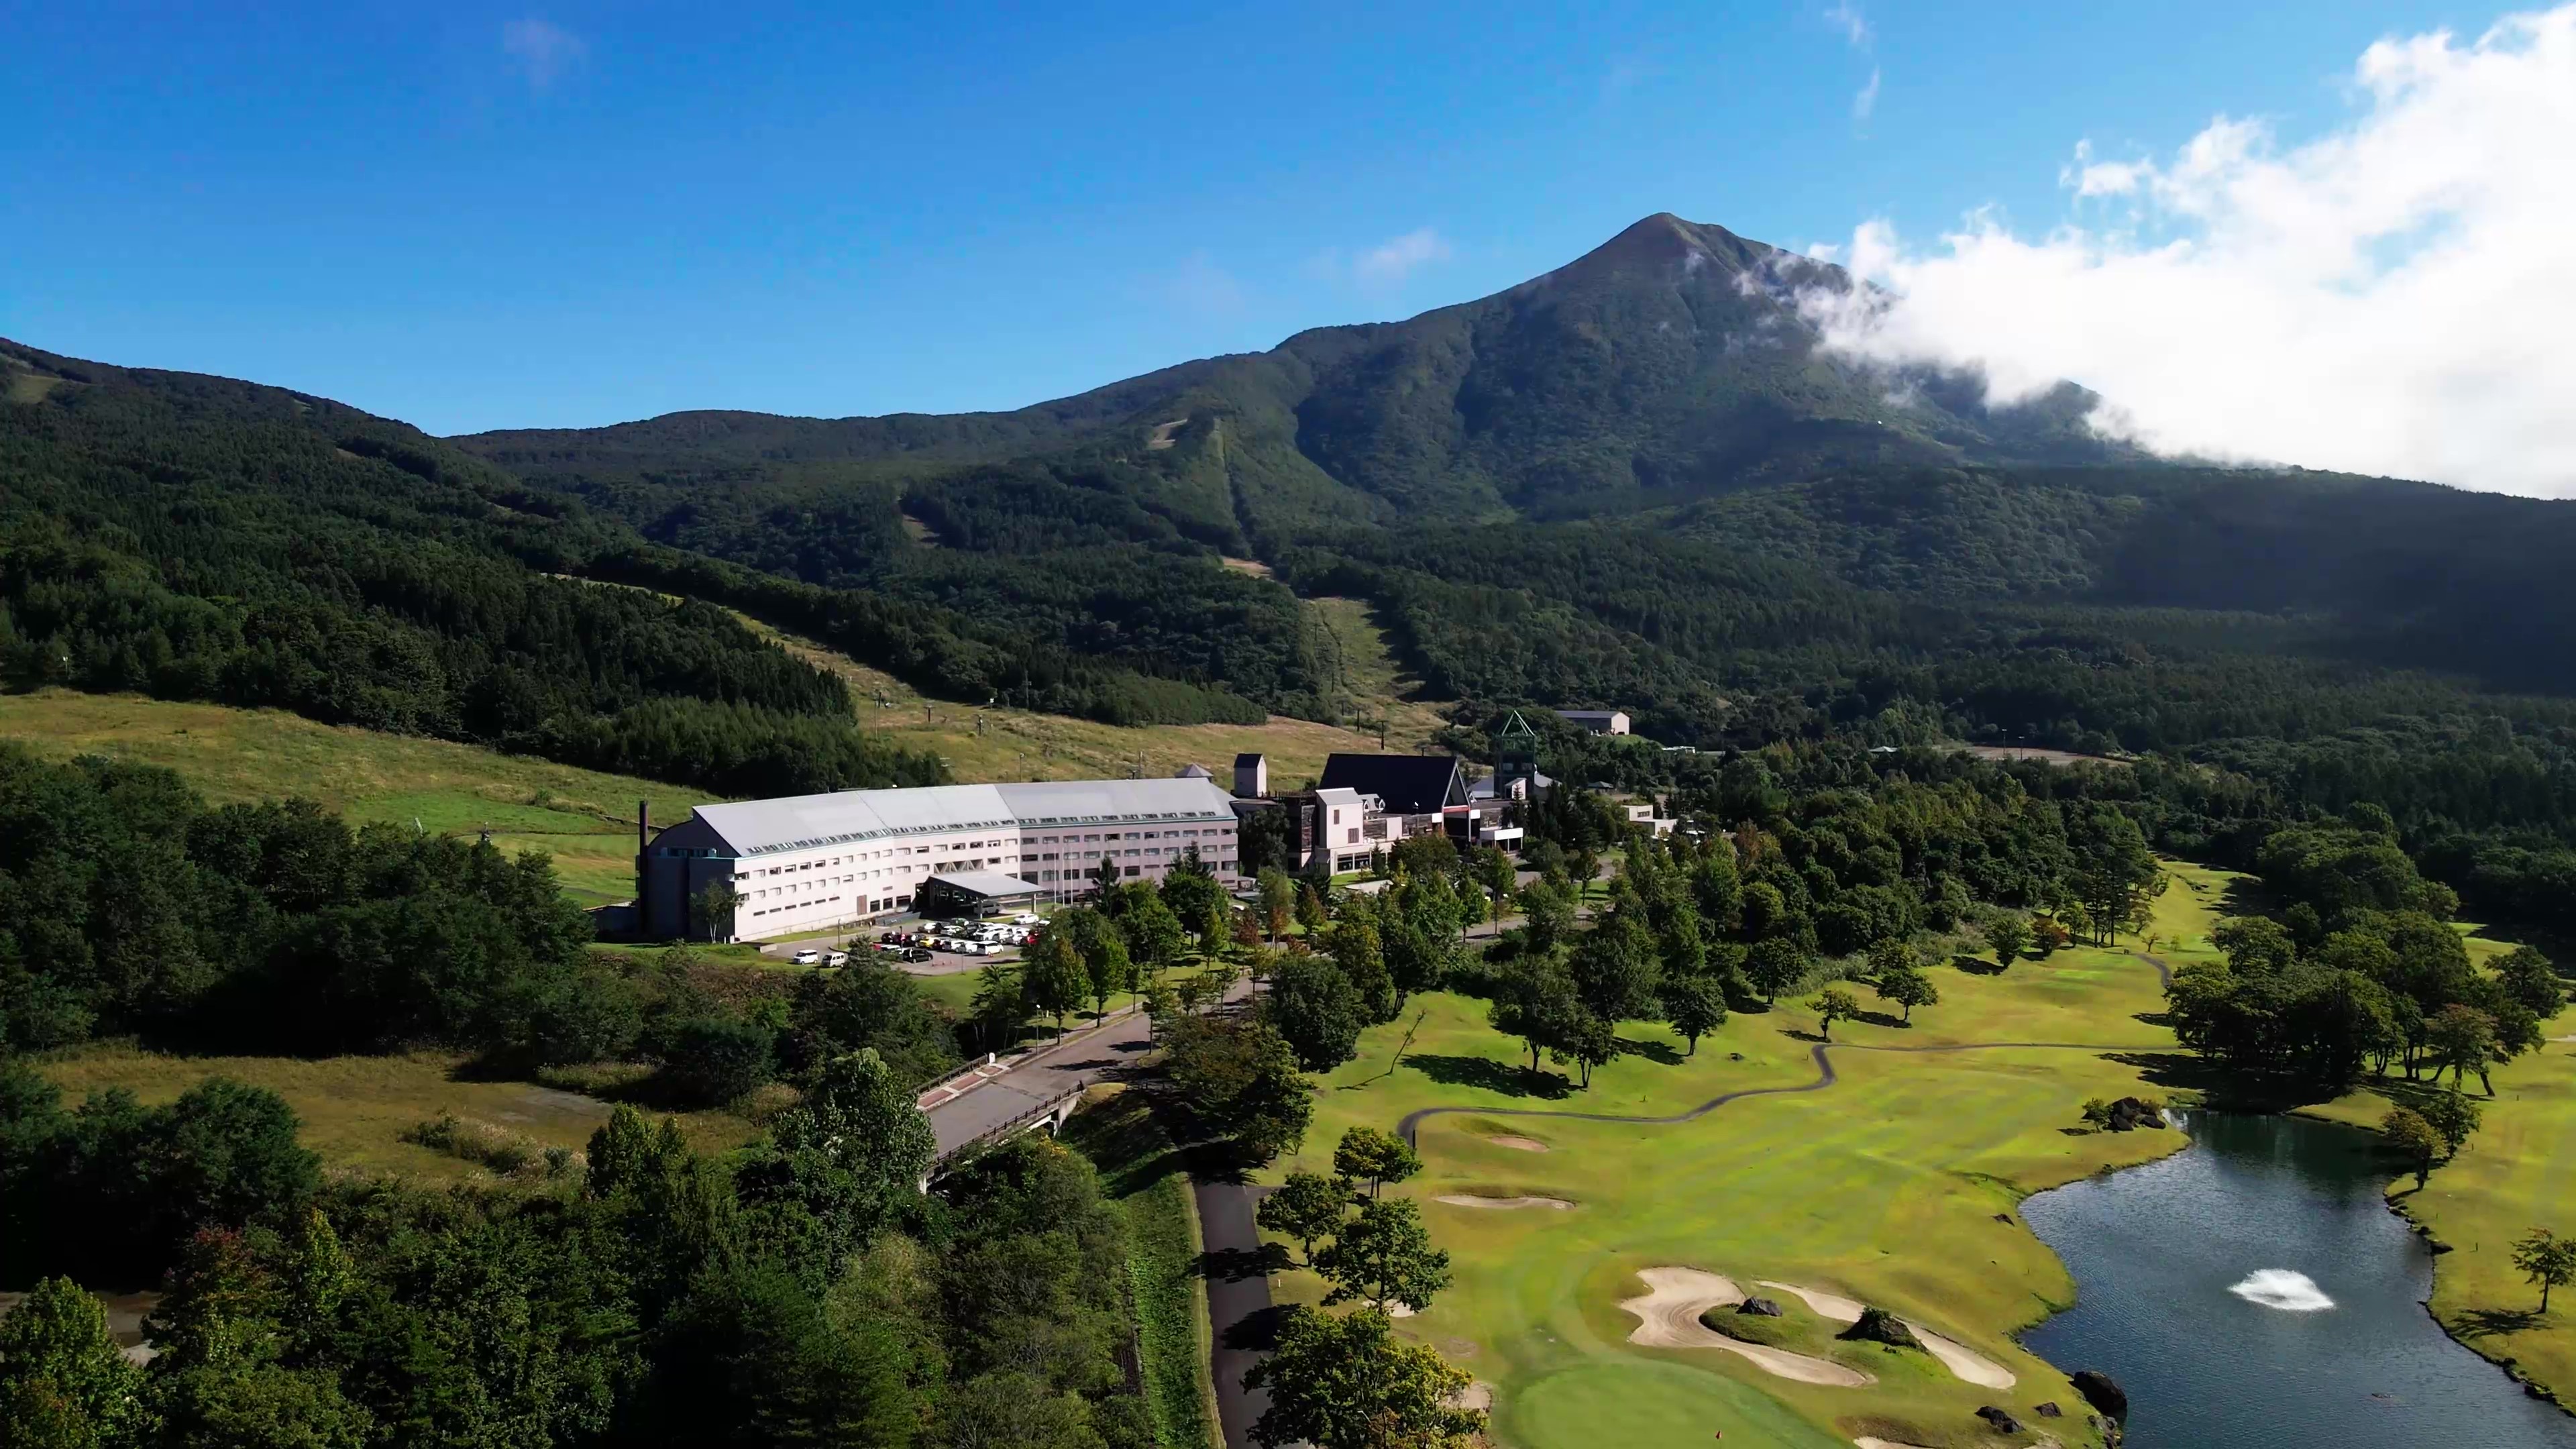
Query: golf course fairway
pixel 1896 1184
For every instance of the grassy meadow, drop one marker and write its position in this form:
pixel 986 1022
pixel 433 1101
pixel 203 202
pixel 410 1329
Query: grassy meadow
pixel 583 818
pixel 2517 1173
pixel 1898 1186
pixel 355 1110
pixel 1017 744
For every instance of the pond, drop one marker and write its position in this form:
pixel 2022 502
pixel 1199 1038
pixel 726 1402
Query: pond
pixel 2253 1291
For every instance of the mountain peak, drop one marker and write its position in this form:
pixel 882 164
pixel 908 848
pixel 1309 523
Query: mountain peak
pixel 1663 240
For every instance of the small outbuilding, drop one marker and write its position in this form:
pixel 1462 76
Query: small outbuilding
pixel 974 893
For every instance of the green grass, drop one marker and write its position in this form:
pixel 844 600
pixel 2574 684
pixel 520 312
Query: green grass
pixel 354 1111
pixel 1015 744
pixel 2518 1173
pixel 1142 1169
pixel 583 818
pixel 1886 1186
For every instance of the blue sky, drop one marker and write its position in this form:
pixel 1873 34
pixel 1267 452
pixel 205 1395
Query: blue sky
pixel 474 217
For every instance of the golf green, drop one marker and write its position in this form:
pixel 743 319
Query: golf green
pixel 1896 1184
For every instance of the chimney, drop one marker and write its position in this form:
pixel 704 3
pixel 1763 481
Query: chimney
pixel 1251 776
pixel 643 825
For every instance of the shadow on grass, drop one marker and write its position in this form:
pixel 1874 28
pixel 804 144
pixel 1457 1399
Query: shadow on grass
pixel 1653 1051
pixel 1977 965
pixel 1509 1079
pixel 2488 1322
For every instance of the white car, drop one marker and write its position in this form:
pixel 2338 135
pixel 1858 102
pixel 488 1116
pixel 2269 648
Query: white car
pixel 1028 918
pixel 806 957
pixel 836 958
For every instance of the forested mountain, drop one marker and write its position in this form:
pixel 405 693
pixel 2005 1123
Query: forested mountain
pixel 1640 481
pixel 197 537
pixel 1666 393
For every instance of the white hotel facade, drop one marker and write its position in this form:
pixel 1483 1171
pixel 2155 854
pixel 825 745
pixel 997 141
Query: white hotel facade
pixel 809 862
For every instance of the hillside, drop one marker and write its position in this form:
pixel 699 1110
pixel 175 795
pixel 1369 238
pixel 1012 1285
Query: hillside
pixel 1637 479
pixel 583 818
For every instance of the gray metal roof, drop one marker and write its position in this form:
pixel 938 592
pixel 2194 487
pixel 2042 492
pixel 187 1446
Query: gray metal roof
pixel 988 883
pixel 798 822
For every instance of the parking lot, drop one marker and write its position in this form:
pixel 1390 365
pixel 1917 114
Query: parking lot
pixel 921 947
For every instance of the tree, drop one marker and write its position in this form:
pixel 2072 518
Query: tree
pixel 2113 869
pixel 2452 1115
pixel 1278 899
pixel 1154 936
pixel 1498 875
pixel 1588 1040
pixel 1350 1383
pixel 2462 1038
pixel 2527 977
pixel 1775 965
pixel 1908 988
pixel 2412 1136
pixel 1831 1005
pixel 1696 1007
pixel 1715 887
pixel 1357 950
pixel 1310 913
pixel 1240 1078
pixel 1104 876
pixel 1377 1158
pixel 1316 1010
pixel 998 1008
pixel 848 1157
pixel 1381 1256
pixel 1307 1207
pixel 1191 894
pixel 1534 1000
pixel 62 1379
pixel 2545 1261
pixel 1615 968
pixel 2009 936
pixel 1052 977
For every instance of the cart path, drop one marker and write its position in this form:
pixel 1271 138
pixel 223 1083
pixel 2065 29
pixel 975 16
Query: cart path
pixel 1821 1053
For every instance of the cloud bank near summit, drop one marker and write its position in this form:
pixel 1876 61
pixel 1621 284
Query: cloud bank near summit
pixel 2396 296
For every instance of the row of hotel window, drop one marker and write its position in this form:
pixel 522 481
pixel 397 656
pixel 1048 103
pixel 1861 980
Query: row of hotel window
pixel 888 903
pixel 1216 849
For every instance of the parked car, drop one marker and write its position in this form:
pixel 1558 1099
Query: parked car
pixel 912 953
pixel 836 958
pixel 1028 918
pixel 807 957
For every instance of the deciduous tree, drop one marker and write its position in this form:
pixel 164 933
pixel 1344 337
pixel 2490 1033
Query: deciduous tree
pixel 1308 1207
pixel 1831 1005
pixel 1382 1255
pixel 1349 1383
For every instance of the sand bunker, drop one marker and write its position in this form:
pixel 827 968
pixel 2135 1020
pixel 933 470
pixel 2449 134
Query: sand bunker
pixel 1471 1200
pixel 1532 1144
pixel 1668 1317
pixel 1478 1395
pixel 1869 1443
pixel 1962 1361
pixel 1825 1305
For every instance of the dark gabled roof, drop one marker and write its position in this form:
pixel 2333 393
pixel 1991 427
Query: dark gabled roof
pixel 1249 759
pixel 1409 784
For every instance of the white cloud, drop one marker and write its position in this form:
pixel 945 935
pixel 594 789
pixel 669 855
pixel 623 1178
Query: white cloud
pixel 1400 257
pixel 2393 296
pixel 541 50
pixel 1867 100
pixel 1846 17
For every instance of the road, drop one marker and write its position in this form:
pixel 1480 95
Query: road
pixel 1036 1079
pixel 1227 1228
